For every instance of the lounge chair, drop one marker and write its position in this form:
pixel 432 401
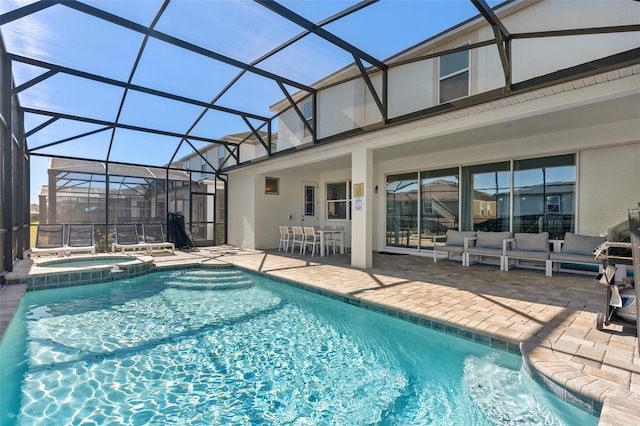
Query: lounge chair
pixel 528 246
pixel 487 244
pixel 153 235
pixel 127 239
pixel 79 240
pixel 454 243
pixel 49 240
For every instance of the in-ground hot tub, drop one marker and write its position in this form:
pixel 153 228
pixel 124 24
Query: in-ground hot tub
pixel 86 261
pixel 80 270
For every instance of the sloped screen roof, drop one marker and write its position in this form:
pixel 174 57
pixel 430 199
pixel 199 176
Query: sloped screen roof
pixel 150 82
pixel 146 82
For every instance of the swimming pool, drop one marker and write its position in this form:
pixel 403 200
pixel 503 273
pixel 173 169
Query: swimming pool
pixel 227 347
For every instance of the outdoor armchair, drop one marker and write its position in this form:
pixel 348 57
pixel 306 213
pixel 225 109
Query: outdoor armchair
pixel 454 243
pixel 487 244
pixel 528 246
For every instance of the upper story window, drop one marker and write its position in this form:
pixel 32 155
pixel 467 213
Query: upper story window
pixel 307 111
pixel 454 76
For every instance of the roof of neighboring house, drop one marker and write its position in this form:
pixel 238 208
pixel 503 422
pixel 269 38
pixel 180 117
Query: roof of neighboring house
pixel 80 167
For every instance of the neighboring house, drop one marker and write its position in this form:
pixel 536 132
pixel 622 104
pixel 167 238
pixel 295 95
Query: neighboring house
pixel 563 127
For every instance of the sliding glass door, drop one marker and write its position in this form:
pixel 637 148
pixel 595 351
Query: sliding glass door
pixel 423 204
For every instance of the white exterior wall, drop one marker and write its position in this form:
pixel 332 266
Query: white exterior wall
pixel 529 55
pixel 413 88
pixel 242 199
pixel 339 109
pixel 609 183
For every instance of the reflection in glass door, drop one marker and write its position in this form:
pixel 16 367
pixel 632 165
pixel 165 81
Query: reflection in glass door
pixel 402 210
pixel 544 195
pixel 440 204
pixel 486 197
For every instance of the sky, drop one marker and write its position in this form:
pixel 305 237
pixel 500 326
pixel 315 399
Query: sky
pixel 242 30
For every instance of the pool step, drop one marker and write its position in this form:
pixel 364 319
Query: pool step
pixel 237 285
pixel 211 279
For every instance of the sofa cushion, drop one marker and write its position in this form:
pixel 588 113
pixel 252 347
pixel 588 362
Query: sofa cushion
pixel 484 251
pixel 449 249
pixel 575 258
pixel 580 244
pixel 491 239
pixel 528 254
pixel 456 238
pixel 532 242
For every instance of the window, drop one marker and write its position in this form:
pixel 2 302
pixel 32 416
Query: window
pixel 339 200
pixel 544 195
pixel 454 76
pixel 307 111
pixel 271 185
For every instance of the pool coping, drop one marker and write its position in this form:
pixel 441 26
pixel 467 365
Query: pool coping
pixel 615 404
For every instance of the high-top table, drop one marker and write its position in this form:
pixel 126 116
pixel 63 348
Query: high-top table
pixel 322 231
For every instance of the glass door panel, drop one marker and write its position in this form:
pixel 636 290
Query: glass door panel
pixel 440 204
pixel 544 195
pixel 402 210
pixel 486 197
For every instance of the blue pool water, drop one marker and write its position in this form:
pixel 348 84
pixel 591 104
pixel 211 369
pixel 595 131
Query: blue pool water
pixel 223 347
